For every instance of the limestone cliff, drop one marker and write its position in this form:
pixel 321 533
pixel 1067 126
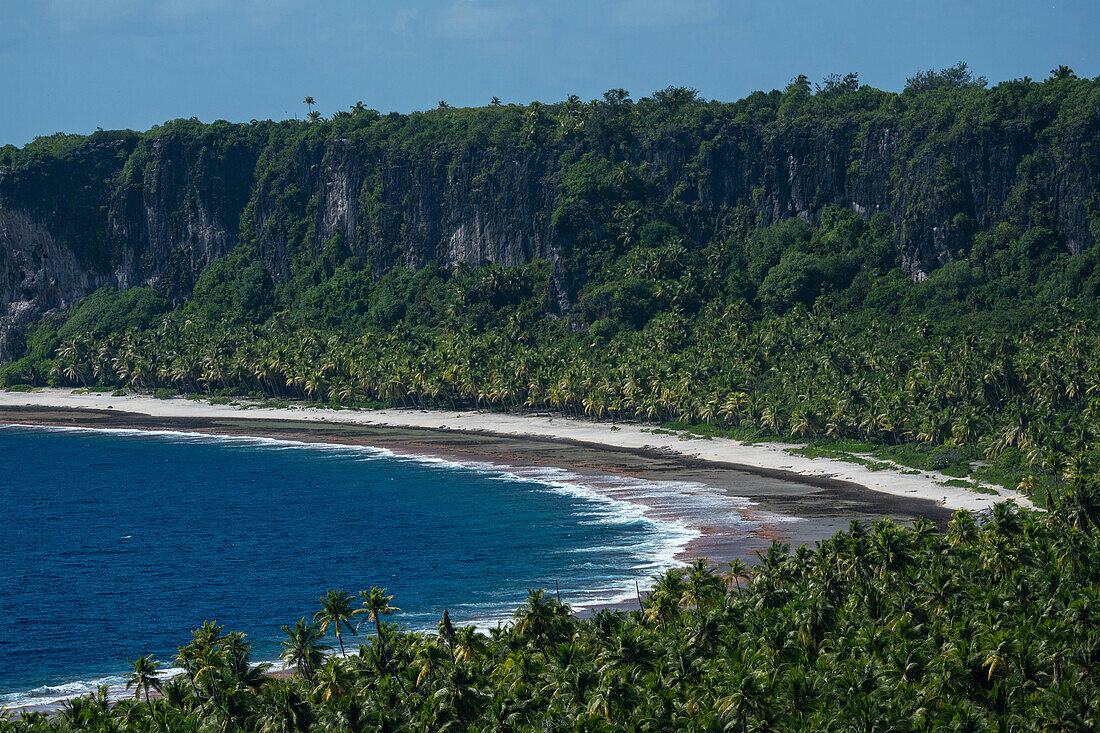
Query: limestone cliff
pixel 155 208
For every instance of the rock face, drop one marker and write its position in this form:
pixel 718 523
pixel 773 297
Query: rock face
pixel 154 209
pixel 34 270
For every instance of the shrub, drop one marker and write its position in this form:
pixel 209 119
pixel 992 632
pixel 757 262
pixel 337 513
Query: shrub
pixel 21 388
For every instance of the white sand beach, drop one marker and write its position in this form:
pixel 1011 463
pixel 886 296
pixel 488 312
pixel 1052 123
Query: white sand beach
pixel 770 456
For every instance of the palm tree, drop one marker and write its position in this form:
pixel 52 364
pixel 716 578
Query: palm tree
pixel 743 698
pixel 337 612
pixel 458 699
pixel 348 713
pixel 736 570
pixel 669 583
pixel 703 587
pixel 662 608
pixel 468 644
pixel 376 604
pixel 335 679
pixel 236 656
pixel 1080 503
pixel 303 648
pixel 284 710
pixel 309 102
pixel 430 659
pixel 535 616
pixel 142 677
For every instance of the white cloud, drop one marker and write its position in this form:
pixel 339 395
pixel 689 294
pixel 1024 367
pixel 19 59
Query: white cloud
pixel 258 13
pixel 475 19
pixel 267 13
pixel 176 9
pixel 402 19
pixel 73 14
pixel 664 12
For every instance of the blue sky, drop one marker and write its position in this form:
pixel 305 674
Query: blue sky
pixel 74 65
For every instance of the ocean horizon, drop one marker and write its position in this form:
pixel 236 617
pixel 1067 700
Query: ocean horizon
pixel 119 542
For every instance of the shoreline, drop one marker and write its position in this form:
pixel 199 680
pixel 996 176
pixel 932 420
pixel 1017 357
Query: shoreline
pixel 823 500
pixel 733 510
pixel 769 460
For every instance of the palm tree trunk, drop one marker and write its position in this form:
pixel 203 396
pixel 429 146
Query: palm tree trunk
pixel 382 653
pixel 381 643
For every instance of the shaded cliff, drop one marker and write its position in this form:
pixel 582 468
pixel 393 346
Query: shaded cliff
pixel 568 183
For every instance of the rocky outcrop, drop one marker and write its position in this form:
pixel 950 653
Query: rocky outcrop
pixel 125 210
pixel 36 272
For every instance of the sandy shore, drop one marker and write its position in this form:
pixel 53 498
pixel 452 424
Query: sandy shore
pixel 762 458
pixel 763 487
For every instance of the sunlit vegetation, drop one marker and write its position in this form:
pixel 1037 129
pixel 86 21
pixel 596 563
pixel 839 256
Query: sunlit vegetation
pixel 706 323
pixel 793 332
pixel 672 313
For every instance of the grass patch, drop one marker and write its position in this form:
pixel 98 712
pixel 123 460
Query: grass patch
pixel 974 486
pixel 819 451
pixel 270 405
pixel 956 471
pixel 706 430
pixel 22 388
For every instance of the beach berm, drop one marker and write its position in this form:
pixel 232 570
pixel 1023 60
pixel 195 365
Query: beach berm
pixel 769 458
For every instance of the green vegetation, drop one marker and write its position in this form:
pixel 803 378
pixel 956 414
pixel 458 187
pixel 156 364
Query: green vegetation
pixel 994 377
pixel 661 305
pixel 600 177
pixel 879 628
pixel 708 320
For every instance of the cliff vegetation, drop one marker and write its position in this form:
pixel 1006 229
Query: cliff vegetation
pixel 910 274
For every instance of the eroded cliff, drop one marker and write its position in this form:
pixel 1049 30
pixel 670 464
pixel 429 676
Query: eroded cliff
pixel 507 185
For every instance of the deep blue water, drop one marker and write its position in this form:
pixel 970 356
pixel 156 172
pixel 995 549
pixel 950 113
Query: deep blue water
pixel 117 544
